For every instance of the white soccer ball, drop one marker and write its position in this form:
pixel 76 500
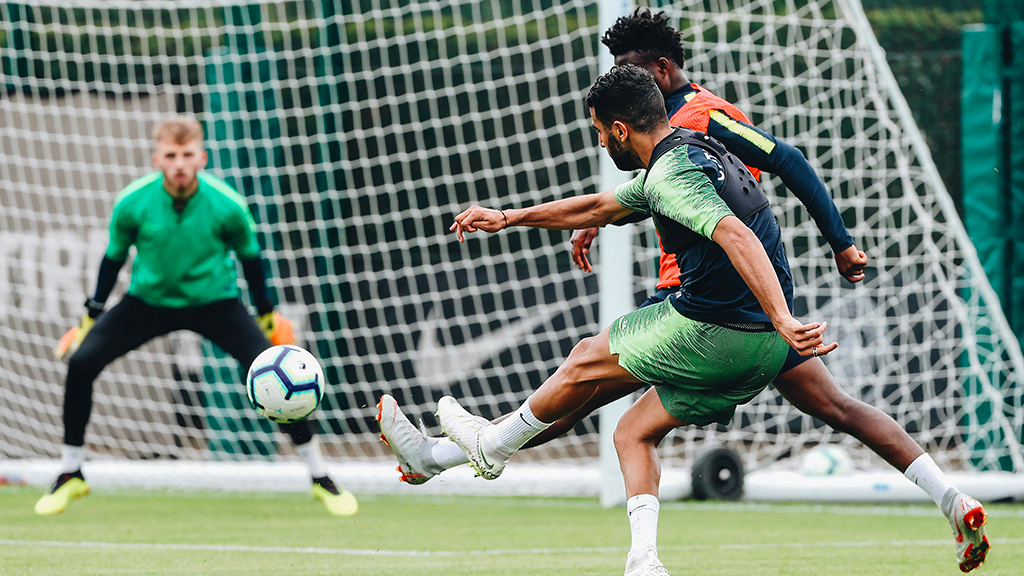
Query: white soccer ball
pixel 826 461
pixel 285 384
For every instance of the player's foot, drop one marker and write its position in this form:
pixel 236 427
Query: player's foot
pixel 338 502
pixel 466 430
pixel 410 446
pixel 69 485
pixel 645 563
pixel 967 518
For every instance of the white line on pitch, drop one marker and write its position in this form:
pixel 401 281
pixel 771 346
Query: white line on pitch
pixel 866 509
pixel 497 552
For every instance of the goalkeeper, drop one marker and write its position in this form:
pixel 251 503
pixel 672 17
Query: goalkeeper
pixel 184 225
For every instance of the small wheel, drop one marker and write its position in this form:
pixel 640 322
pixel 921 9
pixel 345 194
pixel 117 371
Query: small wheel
pixel 717 475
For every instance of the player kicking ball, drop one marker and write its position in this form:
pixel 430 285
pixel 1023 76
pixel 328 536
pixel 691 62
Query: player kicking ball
pixel 708 348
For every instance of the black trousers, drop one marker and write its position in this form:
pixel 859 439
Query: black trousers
pixel 132 323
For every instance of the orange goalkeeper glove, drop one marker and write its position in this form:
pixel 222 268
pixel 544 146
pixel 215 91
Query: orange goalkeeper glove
pixel 276 328
pixel 72 339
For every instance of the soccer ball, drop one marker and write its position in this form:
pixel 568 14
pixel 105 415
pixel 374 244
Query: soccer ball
pixel 826 461
pixel 285 384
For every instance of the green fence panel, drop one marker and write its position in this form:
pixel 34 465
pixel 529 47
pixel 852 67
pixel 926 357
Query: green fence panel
pixel 982 145
pixel 984 219
pixel 1002 11
pixel 1013 96
pixel 993 148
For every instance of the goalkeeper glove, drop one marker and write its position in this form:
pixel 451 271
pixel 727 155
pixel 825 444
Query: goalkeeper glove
pixel 72 339
pixel 276 328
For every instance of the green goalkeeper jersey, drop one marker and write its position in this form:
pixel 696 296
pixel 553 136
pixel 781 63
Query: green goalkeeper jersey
pixel 182 258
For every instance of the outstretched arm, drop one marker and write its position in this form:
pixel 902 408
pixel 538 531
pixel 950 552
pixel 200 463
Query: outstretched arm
pixel 761 150
pixel 566 214
pixel 747 255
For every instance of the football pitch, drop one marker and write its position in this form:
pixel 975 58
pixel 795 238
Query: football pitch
pixel 114 532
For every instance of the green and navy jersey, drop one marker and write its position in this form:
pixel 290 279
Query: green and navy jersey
pixel 682 190
pixel 696 108
pixel 182 258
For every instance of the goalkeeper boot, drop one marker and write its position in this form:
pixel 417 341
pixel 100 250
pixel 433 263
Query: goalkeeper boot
pixel 645 563
pixel 338 502
pixel 466 430
pixel 410 446
pixel 69 485
pixel 967 519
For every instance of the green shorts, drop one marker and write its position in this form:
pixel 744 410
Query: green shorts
pixel 702 371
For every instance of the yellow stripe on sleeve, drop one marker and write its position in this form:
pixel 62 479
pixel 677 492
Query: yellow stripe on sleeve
pixel 743 131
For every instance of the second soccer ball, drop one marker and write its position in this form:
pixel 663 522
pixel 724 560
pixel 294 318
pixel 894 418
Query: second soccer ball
pixel 285 384
pixel 826 460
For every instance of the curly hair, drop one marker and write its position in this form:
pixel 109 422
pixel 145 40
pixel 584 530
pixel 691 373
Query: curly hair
pixel 647 34
pixel 629 94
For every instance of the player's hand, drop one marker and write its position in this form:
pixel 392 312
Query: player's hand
pixel 851 263
pixel 806 338
pixel 581 241
pixel 72 339
pixel 276 328
pixel 478 218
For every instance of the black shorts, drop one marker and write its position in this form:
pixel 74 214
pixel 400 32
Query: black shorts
pixel 132 323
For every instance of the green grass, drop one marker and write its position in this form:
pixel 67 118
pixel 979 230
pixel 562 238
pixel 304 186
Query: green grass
pixel 174 533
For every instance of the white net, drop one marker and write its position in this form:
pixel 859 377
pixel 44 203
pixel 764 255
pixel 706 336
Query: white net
pixel 358 130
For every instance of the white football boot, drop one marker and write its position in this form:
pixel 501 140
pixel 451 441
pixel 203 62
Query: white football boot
pixel 967 518
pixel 466 430
pixel 645 563
pixel 410 446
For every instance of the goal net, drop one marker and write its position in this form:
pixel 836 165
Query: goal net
pixel 357 130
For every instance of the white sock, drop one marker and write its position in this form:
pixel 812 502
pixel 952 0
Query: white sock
pixel 643 522
pixel 510 434
pixel 446 453
pixel 929 478
pixel 310 452
pixel 71 458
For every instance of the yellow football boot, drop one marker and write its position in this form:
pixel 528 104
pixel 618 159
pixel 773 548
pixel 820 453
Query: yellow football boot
pixel 69 485
pixel 338 502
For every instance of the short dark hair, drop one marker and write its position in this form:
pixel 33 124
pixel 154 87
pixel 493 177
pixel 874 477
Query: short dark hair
pixel 647 34
pixel 629 94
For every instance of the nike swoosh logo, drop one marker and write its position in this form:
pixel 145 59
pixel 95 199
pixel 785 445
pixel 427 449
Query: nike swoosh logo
pixel 640 507
pixel 480 450
pixel 438 366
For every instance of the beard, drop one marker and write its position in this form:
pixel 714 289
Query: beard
pixel 625 159
pixel 182 186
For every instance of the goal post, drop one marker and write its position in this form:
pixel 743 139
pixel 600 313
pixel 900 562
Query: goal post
pixel 356 132
pixel 615 281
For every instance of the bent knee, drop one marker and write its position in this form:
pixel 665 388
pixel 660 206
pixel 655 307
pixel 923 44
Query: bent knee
pixel 622 437
pixel 583 358
pixel 584 350
pixel 84 365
